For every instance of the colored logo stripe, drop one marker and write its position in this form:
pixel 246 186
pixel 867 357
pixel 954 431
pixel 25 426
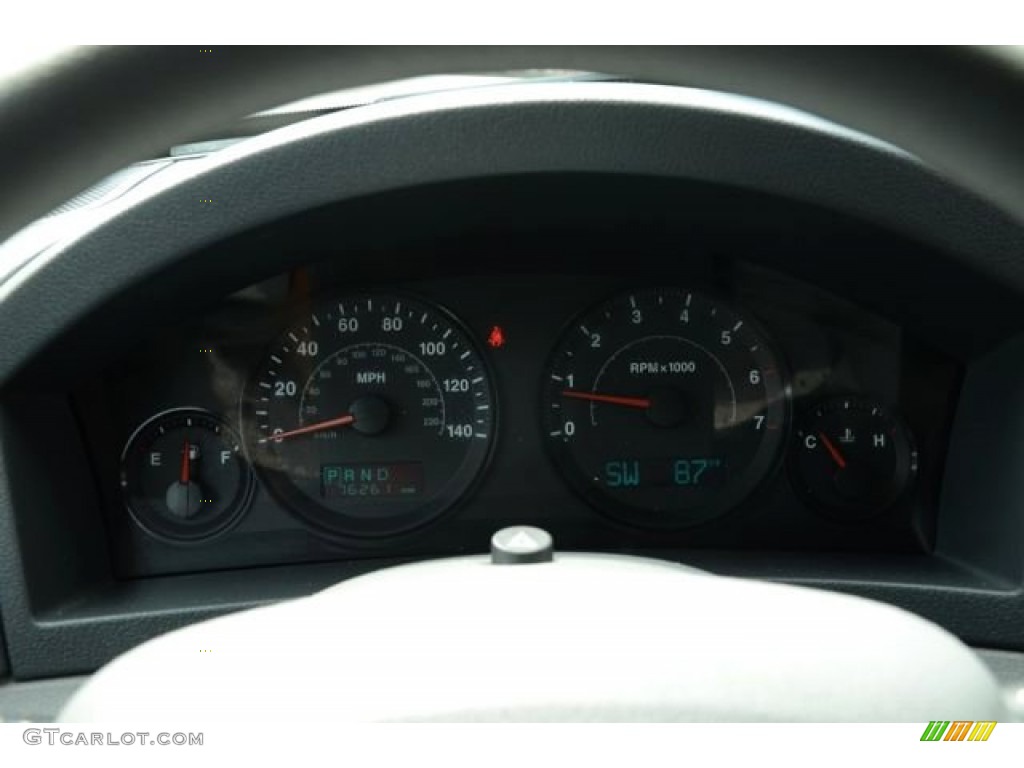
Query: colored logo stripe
pixel 959 730
pixel 981 731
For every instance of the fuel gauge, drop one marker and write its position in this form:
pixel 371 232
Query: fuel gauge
pixel 183 476
pixel 853 457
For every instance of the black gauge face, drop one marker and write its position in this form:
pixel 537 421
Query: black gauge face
pixel 664 407
pixel 183 475
pixel 371 415
pixel 853 458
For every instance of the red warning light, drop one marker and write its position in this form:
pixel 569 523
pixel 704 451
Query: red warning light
pixel 496 338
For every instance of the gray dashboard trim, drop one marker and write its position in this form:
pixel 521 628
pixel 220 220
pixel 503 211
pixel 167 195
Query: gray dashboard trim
pixel 36 701
pixel 4 668
pixel 980 502
pixel 576 127
pixel 1008 667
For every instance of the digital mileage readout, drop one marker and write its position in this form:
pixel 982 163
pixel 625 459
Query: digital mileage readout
pixel 370 480
pixel 663 473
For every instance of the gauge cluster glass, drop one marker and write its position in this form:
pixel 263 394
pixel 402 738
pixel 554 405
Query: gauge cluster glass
pixel 304 422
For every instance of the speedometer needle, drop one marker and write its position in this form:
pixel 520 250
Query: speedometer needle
pixel 341 421
pixel 596 397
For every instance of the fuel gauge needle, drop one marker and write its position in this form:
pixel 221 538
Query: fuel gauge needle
pixel 837 457
pixel 341 421
pixel 186 463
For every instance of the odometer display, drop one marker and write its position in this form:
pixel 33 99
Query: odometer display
pixel 664 408
pixel 371 415
pixel 371 480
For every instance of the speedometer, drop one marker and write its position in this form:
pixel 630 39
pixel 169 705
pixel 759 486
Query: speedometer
pixel 371 415
pixel 664 408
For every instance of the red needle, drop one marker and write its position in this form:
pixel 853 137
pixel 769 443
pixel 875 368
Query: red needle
pixel 185 463
pixel 341 421
pixel 629 402
pixel 837 457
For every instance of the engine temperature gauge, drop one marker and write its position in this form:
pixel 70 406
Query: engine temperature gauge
pixel 853 457
pixel 183 475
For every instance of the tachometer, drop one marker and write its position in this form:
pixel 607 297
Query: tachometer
pixel 665 407
pixel 372 415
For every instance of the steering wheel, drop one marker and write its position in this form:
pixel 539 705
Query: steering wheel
pixel 568 637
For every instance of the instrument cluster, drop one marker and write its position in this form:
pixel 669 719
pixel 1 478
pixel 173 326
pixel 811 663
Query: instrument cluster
pixel 301 420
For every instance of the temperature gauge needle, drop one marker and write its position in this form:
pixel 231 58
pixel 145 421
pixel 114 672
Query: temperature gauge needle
pixel 837 457
pixel 596 397
pixel 341 421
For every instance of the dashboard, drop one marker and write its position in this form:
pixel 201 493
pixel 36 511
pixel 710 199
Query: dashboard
pixel 648 320
pixel 722 405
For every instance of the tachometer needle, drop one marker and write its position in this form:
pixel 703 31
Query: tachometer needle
pixel 341 421
pixel 837 457
pixel 186 464
pixel 596 397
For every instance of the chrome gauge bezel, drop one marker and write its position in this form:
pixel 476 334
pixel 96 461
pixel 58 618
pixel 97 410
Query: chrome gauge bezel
pixel 161 526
